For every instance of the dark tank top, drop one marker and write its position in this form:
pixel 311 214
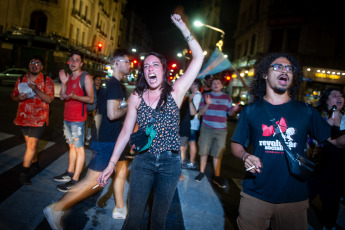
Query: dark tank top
pixel 166 125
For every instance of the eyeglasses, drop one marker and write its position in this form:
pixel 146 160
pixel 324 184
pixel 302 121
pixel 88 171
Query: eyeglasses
pixel 280 68
pixel 127 61
pixel 35 63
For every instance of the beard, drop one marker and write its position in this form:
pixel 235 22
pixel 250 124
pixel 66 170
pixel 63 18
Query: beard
pixel 280 90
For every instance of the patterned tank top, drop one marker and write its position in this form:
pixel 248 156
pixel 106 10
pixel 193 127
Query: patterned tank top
pixel 166 125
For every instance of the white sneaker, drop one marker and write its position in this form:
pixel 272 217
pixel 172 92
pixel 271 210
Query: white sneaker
pixel 53 217
pixel 120 213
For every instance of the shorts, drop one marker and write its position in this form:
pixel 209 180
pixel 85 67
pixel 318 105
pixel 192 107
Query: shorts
pixel 31 131
pixel 101 154
pixel 183 141
pixel 212 142
pixel 74 132
pixel 193 135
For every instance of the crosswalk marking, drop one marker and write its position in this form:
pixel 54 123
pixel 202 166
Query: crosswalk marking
pixel 22 207
pixel 14 156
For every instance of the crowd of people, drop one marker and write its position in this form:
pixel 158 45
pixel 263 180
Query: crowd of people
pixel 181 116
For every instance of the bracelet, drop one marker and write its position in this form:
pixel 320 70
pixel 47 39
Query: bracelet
pixel 244 157
pixel 113 163
pixel 189 38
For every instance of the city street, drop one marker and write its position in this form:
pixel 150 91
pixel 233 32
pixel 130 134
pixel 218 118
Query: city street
pixel 195 205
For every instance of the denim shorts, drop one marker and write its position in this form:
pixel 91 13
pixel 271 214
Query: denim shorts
pixel 193 135
pixel 101 154
pixel 74 133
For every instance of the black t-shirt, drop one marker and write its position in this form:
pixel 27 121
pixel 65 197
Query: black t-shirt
pixel 109 130
pixel 185 119
pixel 275 184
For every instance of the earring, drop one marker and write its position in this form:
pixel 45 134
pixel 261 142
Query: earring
pixel 265 77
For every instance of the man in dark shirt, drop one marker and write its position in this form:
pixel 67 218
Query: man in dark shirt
pixel 271 196
pixel 102 144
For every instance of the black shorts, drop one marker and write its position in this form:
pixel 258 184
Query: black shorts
pixel 33 131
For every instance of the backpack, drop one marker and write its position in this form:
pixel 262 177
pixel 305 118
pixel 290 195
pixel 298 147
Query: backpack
pixel 89 107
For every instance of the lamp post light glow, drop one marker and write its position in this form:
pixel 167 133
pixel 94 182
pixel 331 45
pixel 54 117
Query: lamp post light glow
pixel 220 42
pixel 134 50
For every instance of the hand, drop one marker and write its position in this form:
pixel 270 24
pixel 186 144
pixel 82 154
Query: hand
pixel 208 99
pixel 63 76
pixel 102 179
pixel 32 85
pixel 190 98
pixel 251 161
pixel 177 20
pixel 236 107
pixel 22 97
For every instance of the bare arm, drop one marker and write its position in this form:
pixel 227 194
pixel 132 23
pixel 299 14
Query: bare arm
pixel 204 109
pixel 113 111
pixel 184 82
pixel 249 159
pixel 192 108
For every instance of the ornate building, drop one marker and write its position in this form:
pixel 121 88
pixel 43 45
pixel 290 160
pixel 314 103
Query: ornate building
pixel 52 28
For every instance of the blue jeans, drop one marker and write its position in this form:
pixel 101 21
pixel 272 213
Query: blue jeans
pixel 162 171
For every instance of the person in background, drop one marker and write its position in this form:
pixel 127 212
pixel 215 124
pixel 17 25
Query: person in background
pixel 33 113
pixel 159 167
pixel 102 144
pixel 328 180
pixel 207 84
pixel 75 115
pixel 194 124
pixel 90 121
pixel 214 109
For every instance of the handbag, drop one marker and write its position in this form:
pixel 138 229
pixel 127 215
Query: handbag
pixel 142 140
pixel 299 166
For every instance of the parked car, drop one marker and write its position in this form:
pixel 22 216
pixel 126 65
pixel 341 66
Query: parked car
pixel 10 76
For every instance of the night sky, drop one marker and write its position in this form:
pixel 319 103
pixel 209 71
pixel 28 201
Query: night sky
pixel 167 39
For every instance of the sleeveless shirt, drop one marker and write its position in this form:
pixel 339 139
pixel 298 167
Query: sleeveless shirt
pixel 74 108
pixel 166 125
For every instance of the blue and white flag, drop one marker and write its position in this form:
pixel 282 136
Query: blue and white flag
pixel 215 64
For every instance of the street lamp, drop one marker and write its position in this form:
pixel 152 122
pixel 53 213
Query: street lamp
pixel 220 42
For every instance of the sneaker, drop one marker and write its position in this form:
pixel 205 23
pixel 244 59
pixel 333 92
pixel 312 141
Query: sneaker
pixel 67 186
pixel 189 165
pixel 65 177
pixel 24 179
pixel 219 182
pixel 120 213
pixel 53 217
pixel 199 177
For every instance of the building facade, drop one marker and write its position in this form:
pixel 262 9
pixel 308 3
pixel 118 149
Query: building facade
pixel 52 28
pixel 309 30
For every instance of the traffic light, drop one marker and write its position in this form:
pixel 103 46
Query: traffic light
pixel 99 46
pixel 227 79
pixel 134 63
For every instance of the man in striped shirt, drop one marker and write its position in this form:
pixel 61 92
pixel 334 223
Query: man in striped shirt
pixel 214 107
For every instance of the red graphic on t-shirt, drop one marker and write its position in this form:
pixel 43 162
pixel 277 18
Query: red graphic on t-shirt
pixel 269 130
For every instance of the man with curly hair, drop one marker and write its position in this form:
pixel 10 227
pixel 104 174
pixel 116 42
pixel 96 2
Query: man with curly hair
pixel 271 196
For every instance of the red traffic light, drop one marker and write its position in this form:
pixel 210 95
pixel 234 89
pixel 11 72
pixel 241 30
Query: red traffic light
pixel 99 45
pixel 135 61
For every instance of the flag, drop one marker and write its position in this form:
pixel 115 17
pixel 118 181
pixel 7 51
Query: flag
pixel 215 64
